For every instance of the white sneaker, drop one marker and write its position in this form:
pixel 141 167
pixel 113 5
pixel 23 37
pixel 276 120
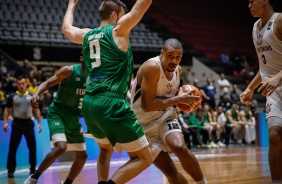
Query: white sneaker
pixel 213 145
pixel 30 180
pixel 221 145
pixel 62 182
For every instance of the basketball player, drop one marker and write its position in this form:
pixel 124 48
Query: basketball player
pixel 63 119
pixel 109 66
pixel 267 37
pixel 153 95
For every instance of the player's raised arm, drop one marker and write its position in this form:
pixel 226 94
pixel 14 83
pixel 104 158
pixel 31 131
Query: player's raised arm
pixel 129 20
pixel 73 33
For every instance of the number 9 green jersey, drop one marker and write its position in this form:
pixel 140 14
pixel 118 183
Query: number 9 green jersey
pixel 107 67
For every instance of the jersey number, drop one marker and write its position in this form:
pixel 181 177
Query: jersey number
pixel 263 59
pixel 172 125
pixel 80 103
pixel 94 46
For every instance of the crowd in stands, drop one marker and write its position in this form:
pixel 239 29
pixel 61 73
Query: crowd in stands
pixel 33 77
pixel 219 123
pixel 239 65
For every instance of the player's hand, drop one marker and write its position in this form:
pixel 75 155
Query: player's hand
pixel 40 128
pixel 246 96
pixel 5 127
pixel 269 86
pixel 189 98
pixel 34 102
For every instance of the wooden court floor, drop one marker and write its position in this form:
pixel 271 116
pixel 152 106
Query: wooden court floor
pixel 236 165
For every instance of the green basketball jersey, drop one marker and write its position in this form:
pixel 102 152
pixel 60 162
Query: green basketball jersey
pixel 70 93
pixel 247 115
pixel 107 67
pixel 234 115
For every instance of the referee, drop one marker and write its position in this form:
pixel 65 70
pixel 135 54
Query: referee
pixel 19 106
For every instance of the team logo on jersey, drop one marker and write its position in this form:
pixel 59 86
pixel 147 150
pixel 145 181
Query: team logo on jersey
pixel 269 25
pixel 77 79
pixel 168 88
pixel 268 108
pixel 259 39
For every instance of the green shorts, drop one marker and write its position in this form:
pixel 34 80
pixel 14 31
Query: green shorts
pixel 62 121
pixel 109 115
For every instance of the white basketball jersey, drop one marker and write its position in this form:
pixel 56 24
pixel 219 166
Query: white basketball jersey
pixel 165 89
pixel 268 48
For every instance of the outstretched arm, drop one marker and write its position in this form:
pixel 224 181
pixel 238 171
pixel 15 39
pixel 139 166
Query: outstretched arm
pixel 62 74
pixel 73 33
pixel 128 21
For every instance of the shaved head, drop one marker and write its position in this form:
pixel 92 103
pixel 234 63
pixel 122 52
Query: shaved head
pixel 172 43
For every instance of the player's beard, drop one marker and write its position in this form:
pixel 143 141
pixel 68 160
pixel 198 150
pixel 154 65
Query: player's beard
pixel 171 68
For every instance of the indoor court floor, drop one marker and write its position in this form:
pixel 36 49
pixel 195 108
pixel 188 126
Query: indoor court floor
pixel 235 165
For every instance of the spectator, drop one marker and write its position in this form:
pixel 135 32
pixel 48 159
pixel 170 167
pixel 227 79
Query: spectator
pixel 226 63
pixel 234 94
pixel 246 116
pixel 19 103
pixel 223 85
pixel 219 117
pixel 33 86
pixel 189 131
pixel 226 102
pixel 3 67
pixel 233 125
pixel 209 92
pixel 213 128
pixel 2 99
pixel 24 70
pixel 198 122
pixel 11 85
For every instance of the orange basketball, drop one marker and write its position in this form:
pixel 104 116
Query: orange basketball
pixel 187 88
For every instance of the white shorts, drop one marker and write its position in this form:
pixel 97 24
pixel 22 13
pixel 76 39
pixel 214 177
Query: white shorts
pixel 70 146
pixel 128 147
pixel 157 133
pixel 100 141
pixel 274 106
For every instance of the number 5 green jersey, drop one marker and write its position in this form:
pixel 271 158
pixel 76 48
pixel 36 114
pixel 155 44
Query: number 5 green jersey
pixel 107 67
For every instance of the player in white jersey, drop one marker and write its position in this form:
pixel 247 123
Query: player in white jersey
pixel 158 80
pixel 267 37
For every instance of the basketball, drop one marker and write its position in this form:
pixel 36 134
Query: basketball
pixel 185 89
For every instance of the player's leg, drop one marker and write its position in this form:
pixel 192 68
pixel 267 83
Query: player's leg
pixel 164 163
pixel 139 160
pixel 275 147
pixel 81 157
pixel 118 122
pixel 187 159
pixel 173 138
pixel 104 158
pixel 59 141
pixel 76 143
pixel 103 162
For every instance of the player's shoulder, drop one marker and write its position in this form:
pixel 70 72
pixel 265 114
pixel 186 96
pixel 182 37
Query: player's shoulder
pixel 151 63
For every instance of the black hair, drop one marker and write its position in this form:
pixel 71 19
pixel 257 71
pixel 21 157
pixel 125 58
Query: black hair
pixel 108 6
pixel 20 78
